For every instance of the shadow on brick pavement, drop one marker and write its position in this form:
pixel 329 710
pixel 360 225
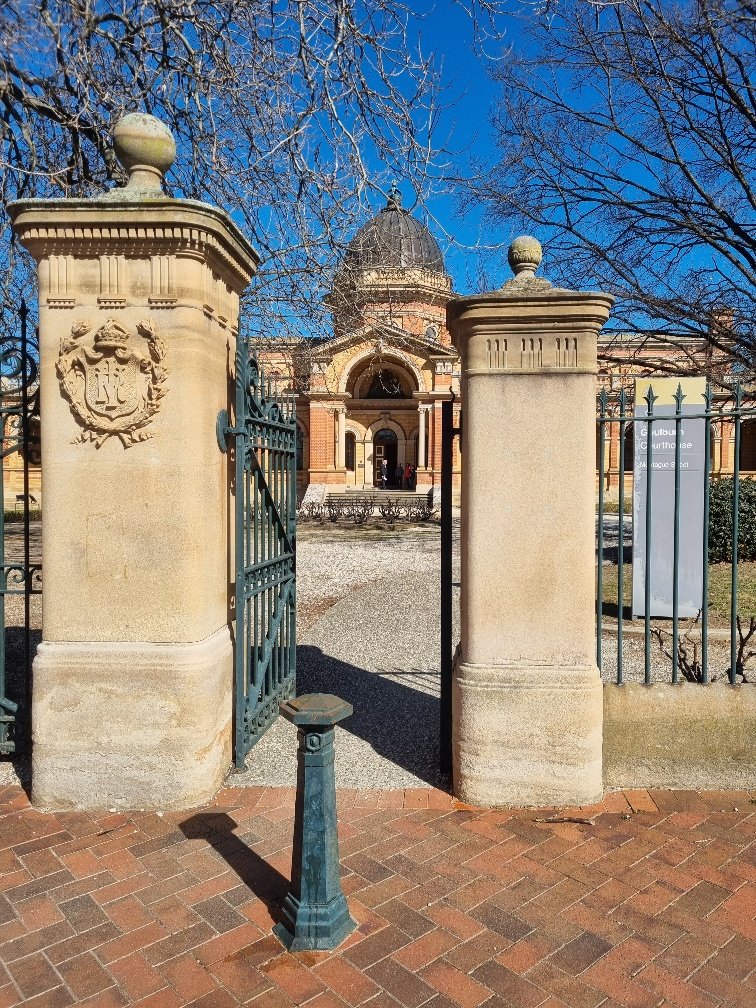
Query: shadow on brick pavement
pixel 648 900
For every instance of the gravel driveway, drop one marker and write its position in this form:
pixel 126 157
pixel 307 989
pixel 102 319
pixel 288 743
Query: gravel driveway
pixel 369 629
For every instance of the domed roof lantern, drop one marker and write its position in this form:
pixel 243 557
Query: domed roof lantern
pixel 394 239
pixel 394 199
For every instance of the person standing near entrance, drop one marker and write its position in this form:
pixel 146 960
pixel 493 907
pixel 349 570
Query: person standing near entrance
pixel 398 475
pixel 407 476
pixel 384 474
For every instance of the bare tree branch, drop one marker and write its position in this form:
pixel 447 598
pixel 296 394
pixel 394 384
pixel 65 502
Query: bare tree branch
pixel 293 116
pixel 627 133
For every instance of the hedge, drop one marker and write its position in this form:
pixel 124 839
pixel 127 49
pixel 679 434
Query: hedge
pixel 720 520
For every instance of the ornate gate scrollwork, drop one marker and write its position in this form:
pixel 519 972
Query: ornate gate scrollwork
pixel 264 436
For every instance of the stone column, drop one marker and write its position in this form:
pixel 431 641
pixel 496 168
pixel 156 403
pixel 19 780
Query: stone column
pixel 422 424
pixel 340 416
pixel 527 696
pixel 138 308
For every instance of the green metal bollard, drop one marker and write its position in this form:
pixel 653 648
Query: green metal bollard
pixel 315 911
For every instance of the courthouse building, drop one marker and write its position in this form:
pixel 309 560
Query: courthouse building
pixel 373 390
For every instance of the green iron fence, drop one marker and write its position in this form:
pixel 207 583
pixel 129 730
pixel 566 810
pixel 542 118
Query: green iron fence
pixel 20 575
pixel 655 515
pixel 264 435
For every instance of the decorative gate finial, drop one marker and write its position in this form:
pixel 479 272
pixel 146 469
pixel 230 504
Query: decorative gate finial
pixel 524 256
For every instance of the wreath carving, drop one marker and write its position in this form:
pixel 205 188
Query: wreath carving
pixel 113 388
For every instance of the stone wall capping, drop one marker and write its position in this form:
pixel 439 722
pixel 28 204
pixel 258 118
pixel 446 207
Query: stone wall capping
pixel 491 308
pixel 90 226
pixel 518 371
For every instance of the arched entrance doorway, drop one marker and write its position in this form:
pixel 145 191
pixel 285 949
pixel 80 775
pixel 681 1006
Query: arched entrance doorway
pixel 381 408
pixel 385 449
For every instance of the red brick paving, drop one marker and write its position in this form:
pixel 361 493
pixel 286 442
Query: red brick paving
pixel 654 904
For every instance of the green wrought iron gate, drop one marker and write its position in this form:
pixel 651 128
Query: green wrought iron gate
pixel 20 571
pixel 264 435
pixel 448 433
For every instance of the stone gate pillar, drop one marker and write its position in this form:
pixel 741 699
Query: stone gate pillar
pixel 138 308
pixel 527 697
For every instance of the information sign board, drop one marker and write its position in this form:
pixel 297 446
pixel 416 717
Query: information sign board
pixel 663 434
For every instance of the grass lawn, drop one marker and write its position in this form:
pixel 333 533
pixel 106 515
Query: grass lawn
pixel 719 591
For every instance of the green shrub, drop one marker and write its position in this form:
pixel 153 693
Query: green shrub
pixel 18 516
pixel 720 520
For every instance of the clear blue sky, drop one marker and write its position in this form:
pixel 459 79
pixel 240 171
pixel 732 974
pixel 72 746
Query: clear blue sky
pixel 446 31
pixel 472 94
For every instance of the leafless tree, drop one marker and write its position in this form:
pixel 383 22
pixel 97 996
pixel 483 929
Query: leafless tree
pixel 282 112
pixel 626 139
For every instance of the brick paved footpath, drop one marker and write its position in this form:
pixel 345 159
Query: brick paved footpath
pixel 653 904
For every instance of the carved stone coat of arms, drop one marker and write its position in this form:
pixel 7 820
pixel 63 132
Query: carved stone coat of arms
pixel 114 388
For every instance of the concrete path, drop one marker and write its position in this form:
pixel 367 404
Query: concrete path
pixel 378 648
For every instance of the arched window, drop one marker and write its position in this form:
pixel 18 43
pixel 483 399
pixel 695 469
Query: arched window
pixel 629 447
pixel 385 385
pixel 349 450
pixel 300 449
pixel 748 446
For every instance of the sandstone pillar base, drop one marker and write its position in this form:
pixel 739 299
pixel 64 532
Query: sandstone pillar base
pixel 131 725
pixel 527 735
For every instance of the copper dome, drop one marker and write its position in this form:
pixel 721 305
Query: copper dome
pixel 394 239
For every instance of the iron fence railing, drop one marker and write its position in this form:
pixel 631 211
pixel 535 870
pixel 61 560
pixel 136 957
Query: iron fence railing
pixel 20 571
pixel 657 469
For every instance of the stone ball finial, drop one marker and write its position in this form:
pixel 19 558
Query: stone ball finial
pixel 525 255
pixel 146 149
